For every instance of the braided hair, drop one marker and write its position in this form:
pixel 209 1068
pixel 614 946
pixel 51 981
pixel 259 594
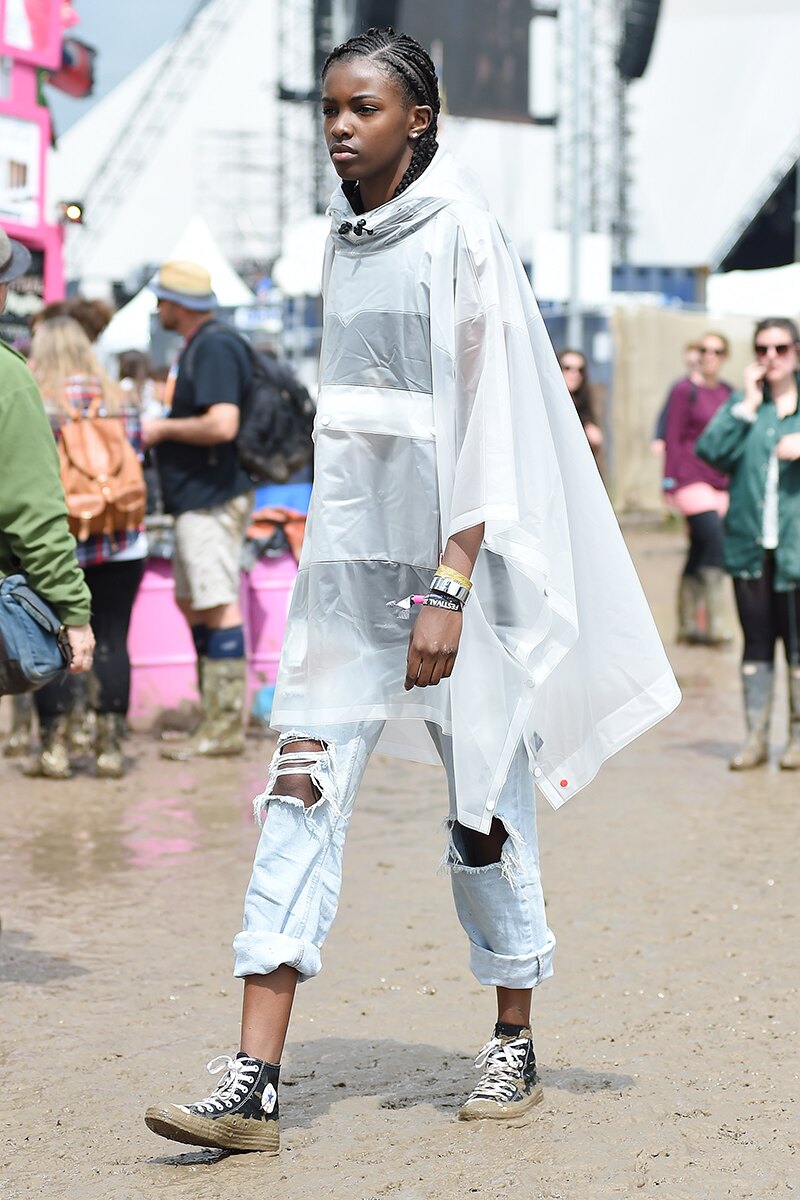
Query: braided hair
pixel 411 64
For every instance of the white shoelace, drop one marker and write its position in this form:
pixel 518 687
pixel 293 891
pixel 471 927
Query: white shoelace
pixel 502 1064
pixel 239 1077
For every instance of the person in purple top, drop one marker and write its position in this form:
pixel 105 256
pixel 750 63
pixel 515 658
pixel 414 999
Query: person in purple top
pixel 700 493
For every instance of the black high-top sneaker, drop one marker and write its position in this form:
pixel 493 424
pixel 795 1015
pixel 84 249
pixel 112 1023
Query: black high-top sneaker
pixel 509 1085
pixel 240 1114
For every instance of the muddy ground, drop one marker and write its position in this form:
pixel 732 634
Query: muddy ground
pixel 667 1038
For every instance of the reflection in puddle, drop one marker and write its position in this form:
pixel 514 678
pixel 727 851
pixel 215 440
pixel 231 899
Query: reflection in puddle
pixel 95 840
pixel 165 844
pixel 74 833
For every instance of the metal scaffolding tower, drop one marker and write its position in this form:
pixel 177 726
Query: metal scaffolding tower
pixel 603 126
pixel 170 87
pixel 235 193
pixel 307 32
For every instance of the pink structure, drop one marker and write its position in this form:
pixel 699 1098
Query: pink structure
pixel 163 670
pixel 30 39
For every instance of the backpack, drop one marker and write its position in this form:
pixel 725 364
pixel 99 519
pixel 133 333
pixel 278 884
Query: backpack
pixel 277 415
pixel 102 477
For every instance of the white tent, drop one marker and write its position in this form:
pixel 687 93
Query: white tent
pixel 708 128
pixel 298 272
pixel 130 327
pixel 209 156
pixel 770 293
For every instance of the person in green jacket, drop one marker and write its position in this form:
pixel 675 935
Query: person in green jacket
pixel 755 439
pixel 34 535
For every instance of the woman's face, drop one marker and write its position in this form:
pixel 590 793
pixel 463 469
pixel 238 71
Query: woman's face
pixel 776 353
pixel 573 367
pixel 712 355
pixel 370 128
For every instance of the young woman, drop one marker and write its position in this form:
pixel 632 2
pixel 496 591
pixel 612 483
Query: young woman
pixel 691 359
pixel 700 493
pixel 71 380
pixel 576 376
pixel 450 467
pixel 755 439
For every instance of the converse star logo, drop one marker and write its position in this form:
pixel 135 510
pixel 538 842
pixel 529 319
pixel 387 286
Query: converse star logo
pixel 269 1099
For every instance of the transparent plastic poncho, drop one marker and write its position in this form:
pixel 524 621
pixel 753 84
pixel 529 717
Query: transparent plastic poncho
pixel 442 406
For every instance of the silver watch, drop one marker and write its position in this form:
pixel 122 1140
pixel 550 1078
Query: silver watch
pixel 449 587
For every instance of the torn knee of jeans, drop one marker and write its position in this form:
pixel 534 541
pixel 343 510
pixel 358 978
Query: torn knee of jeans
pixel 458 860
pixel 289 771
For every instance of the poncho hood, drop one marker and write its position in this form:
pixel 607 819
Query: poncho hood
pixel 444 182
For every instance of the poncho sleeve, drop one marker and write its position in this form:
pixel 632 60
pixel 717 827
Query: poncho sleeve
pixel 583 670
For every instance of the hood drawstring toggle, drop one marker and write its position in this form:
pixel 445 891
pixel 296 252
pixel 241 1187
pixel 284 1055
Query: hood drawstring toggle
pixel 357 229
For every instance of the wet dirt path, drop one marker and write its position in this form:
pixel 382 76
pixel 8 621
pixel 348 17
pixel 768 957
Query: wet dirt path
pixel 667 1038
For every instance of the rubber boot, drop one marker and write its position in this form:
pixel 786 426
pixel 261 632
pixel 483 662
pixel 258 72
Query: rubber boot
pixel 81 716
pixel 713 585
pixel 790 759
pixel 220 733
pixel 757 681
pixel 109 760
pixel 19 739
pixel 82 729
pixel 52 761
pixel 690 595
pixel 182 735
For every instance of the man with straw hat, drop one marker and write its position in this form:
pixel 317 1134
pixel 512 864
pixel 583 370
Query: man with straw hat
pixel 210 495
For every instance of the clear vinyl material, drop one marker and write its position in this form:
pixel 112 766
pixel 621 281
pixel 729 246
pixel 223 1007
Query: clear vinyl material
pixel 442 406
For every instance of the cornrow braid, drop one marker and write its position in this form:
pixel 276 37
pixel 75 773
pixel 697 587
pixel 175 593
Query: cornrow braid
pixel 411 64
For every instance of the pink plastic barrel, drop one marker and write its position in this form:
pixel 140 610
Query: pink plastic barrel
pixel 270 588
pixel 163 660
pixel 163 663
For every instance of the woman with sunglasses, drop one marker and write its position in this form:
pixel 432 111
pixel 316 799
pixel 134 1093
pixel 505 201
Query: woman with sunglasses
pixel 755 439
pixel 699 492
pixel 575 370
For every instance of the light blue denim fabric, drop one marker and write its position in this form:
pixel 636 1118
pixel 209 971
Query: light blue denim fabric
pixel 294 888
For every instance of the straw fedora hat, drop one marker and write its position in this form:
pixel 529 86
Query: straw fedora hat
pixel 187 284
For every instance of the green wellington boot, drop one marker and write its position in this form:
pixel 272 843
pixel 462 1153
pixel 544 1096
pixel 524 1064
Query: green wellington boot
pixel 712 580
pixel 690 597
pixel 52 761
pixel 220 733
pixel 757 683
pixel 790 759
pixel 19 739
pixel 109 759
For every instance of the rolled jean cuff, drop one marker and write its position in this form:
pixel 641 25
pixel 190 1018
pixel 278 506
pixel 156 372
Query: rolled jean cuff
pixel 512 970
pixel 263 953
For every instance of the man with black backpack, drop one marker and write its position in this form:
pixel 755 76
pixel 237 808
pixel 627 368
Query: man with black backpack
pixel 209 492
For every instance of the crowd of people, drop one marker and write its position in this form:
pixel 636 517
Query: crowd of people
pixel 480 482
pixel 199 482
pixel 731 467
pixel 714 443
pixel 192 415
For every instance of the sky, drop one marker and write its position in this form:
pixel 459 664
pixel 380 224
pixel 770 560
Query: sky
pixel 125 33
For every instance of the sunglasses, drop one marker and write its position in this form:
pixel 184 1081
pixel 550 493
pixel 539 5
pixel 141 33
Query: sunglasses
pixel 712 350
pixel 782 350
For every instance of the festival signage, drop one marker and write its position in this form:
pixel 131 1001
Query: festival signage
pixel 31 30
pixel 21 153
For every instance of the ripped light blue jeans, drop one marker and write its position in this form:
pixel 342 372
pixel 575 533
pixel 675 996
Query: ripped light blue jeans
pixel 294 888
